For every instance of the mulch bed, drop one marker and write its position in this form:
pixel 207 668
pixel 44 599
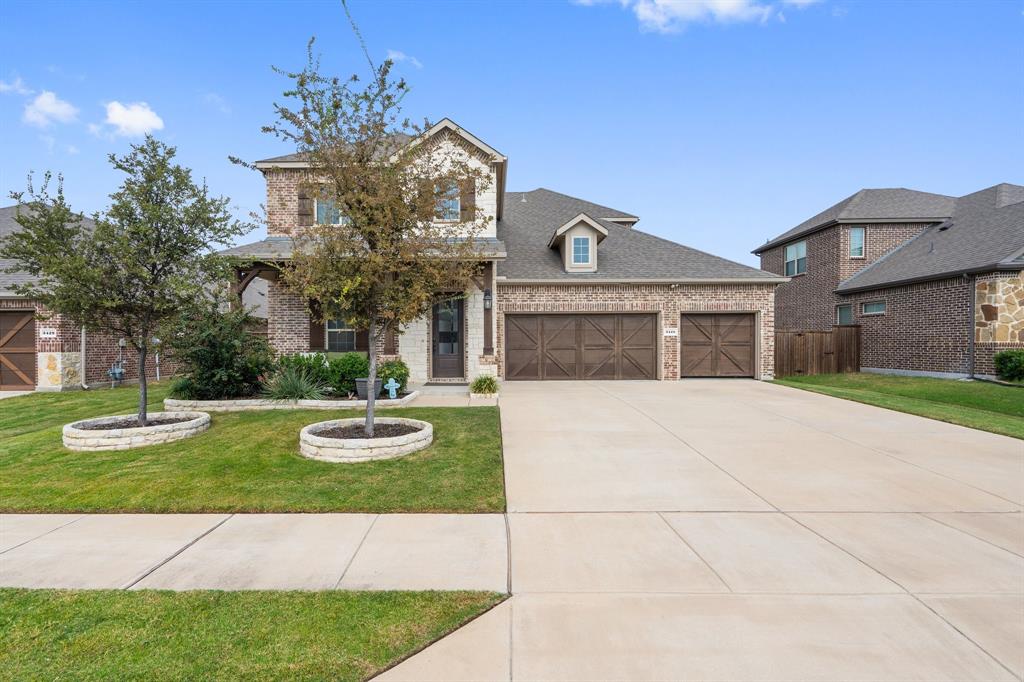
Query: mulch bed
pixel 379 431
pixel 132 423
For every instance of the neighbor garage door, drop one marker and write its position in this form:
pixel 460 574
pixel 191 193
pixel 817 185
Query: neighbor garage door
pixel 17 350
pixel 595 346
pixel 719 345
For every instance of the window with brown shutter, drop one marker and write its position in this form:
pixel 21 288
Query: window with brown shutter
pixel 305 208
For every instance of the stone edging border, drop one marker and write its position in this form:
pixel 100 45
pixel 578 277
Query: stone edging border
pixel 91 440
pixel 352 450
pixel 256 404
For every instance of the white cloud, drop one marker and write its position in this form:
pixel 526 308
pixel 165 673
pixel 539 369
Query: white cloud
pixel 47 108
pixel 131 120
pixel 670 16
pixel 49 141
pixel 72 150
pixel 215 101
pixel 398 56
pixel 17 86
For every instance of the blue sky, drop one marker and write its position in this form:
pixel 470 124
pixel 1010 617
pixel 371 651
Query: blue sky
pixel 719 122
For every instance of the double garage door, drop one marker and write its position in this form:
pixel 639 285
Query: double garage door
pixel 625 346
pixel 589 346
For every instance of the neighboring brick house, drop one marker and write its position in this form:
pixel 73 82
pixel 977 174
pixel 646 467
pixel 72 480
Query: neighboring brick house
pixel 44 351
pixel 935 282
pixel 570 291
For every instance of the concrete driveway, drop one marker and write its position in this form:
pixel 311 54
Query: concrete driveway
pixel 735 530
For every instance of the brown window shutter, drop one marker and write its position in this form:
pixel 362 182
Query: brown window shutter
pixel 362 340
pixel 391 342
pixel 305 208
pixel 467 200
pixel 317 331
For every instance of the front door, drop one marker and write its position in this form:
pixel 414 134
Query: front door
pixel 448 332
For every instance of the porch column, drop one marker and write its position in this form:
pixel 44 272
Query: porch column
pixel 489 311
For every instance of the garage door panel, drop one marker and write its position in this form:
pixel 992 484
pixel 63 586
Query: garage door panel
pixel 583 346
pixel 17 350
pixel 717 345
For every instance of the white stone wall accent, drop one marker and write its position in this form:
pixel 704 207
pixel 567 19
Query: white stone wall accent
pixel 354 450
pixel 414 348
pixel 57 371
pixel 76 438
pixel 261 404
pixel 474 311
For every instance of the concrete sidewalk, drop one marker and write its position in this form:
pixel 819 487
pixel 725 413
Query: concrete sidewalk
pixel 255 551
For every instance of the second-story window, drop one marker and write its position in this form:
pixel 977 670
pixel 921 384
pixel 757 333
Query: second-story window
pixel 449 204
pixel 581 250
pixel 796 259
pixel 329 214
pixel 856 242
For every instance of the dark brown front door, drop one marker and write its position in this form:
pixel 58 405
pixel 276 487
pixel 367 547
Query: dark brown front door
pixel 448 333
pixel 719 345
pixel 597 346
pixel 17 350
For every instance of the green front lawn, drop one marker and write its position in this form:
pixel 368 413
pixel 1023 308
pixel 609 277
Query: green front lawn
pixel 150 635
pixel 246 462
pixel 977 404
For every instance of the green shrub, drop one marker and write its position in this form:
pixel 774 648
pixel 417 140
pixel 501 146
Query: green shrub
pixel 294 383
pixel 394 369
pixel 218 357
pixel 485 383
pixel 343 371
pixel 1010 364
pixel 313 365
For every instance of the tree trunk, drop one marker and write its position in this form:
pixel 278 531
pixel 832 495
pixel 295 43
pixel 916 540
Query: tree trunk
pixel 371 382
pixel 143 388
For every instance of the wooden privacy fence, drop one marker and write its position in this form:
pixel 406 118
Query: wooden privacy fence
pixel 817 352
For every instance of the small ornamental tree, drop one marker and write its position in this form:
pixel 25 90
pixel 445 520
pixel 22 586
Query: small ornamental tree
pixel 389 251
pixel 148 258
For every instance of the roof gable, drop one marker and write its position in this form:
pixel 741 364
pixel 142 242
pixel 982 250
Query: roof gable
pixel 580 218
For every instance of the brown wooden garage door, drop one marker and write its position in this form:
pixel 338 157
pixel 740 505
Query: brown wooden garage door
pixel 719 345
pixel 597 346
pixel 17 350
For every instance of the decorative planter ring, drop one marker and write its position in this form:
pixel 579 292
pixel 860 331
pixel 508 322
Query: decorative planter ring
pixel 351 450
pixel 89 434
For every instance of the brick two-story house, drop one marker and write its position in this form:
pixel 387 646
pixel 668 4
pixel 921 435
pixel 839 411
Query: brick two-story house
pixel 935 282
pixel 570 290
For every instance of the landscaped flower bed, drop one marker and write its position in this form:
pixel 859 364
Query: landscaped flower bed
pixel 329 440
pixel 254 404
pixel 119 433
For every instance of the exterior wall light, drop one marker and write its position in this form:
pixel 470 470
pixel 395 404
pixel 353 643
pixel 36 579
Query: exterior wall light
pixel 488 299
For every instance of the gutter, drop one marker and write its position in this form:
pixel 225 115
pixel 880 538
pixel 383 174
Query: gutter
pixel 84 365
pixel 678 280
pixel 970 323
pixel 994 267
pixel 775 243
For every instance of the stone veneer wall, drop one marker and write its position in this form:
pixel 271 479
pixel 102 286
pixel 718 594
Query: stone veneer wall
pixel 998 317
pixel 669 301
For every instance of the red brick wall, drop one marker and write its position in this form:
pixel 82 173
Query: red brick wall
pixel 287 320
pixel 925 327
pixel 808 301
pixel 670 302
pixel 283 200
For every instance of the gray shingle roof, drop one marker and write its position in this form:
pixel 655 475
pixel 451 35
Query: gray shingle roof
pixel 873 205
pixel 9 279
pixel 985 232
pixel 625 254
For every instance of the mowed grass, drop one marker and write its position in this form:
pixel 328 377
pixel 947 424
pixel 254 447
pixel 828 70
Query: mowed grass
pixel 245 462
pixel 977 404
pixel 156 635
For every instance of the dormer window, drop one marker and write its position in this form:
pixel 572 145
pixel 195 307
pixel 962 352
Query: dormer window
pixel 577 242
pixel 581 250
pixel 449 204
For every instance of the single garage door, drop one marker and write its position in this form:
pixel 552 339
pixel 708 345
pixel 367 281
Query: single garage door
pixel 17 350
pixel 717 345
pixel 594 346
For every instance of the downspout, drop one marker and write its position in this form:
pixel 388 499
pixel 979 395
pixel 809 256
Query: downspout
pixel 81 356
pixel 971 324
